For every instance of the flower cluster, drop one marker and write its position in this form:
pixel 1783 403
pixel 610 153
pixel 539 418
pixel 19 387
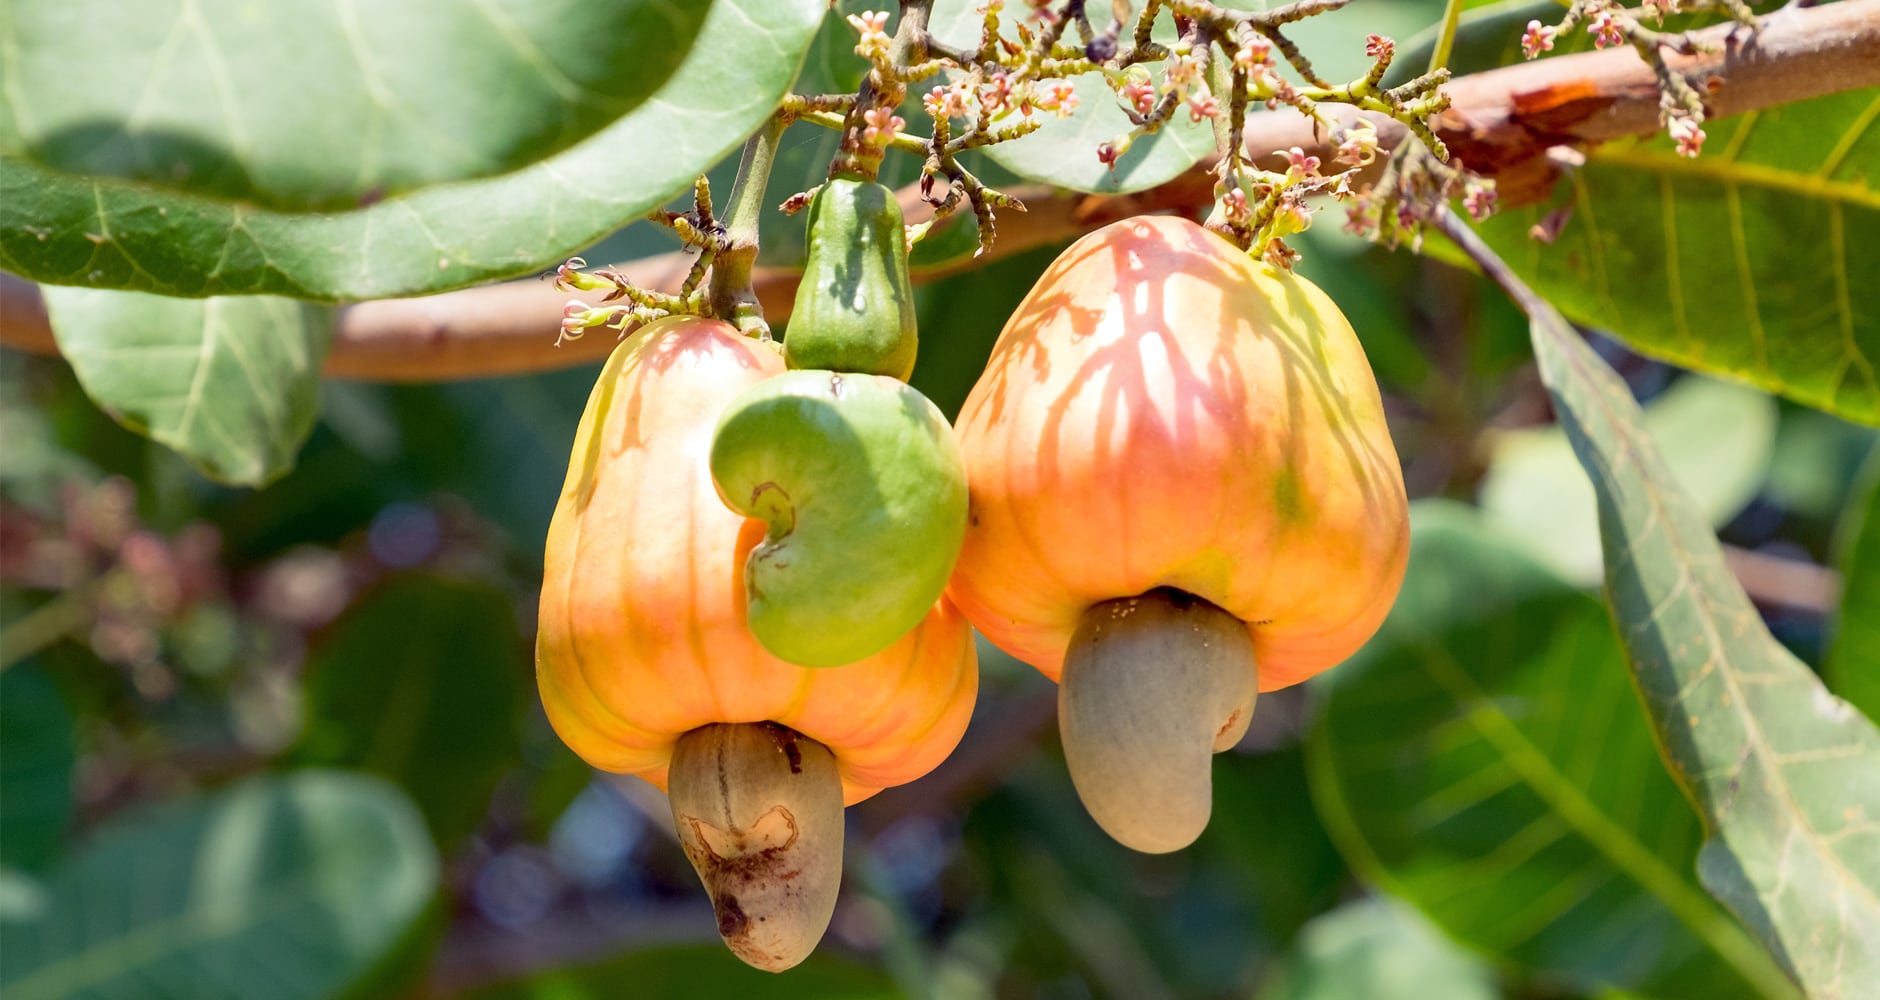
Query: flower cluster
pixel 1681 106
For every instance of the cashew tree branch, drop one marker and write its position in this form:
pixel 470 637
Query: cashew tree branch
pixel 1501 123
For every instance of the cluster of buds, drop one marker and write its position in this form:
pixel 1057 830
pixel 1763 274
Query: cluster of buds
pixel 1415 186
pixel 640 307
pixel 126 588
pixel 1609 24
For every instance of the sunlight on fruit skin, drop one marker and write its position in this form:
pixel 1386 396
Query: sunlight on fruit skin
pixel 1161 411
pixel 758 810
pixel 862 488
pixel 642 637
pixel 1140 759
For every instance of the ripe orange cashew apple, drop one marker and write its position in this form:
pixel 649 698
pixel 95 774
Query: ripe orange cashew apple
pixel 646 666
pixel 1179 469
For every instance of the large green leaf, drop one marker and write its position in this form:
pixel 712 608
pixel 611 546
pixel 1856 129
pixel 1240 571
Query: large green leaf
pixel 1785 775
pixel 422 684
pixel 36 758
pixel 63 228
pixel 326 105
pixel 1718 437
pixel 704 970
pixel 1853 667
pixel 1755 260
pixel 233 383
pixel 1483 758
pixel 1379 950
pixel 282 887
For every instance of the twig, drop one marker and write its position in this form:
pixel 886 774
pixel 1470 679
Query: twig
pixel 1501 123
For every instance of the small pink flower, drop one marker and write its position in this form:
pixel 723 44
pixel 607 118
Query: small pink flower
pixel 574 321
pixel 1359 145
pixel 1479 200
pixel 1378 47
pixel 1234 203
pixel 872 26
pixel 1538 39
pixel 1058 97
pixel 883 123
pixel 1606 29
pixel 1110 152
pixel 1301 164
pixel 1182 72
pixel 1688 134
pixel 950 102
pixel 1658 9
pixel 1255 51
pixel 996 95
pixel 566 274
pixel 1202 106
pixel 1140 93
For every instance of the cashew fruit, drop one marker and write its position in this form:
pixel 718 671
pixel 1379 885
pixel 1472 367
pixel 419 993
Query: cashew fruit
pixel 646 665
pixel 1164 417
pixel 854 311
pixel 861 491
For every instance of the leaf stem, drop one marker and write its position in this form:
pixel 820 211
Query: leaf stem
pixel 1446 39
pixel 48 623
pixel 731 296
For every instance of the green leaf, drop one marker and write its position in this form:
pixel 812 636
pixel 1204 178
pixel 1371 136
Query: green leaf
pixel 1718 439
pixel 1483 758
pixel 1379 950
pixel 1266 835
pixel 1853 667
pixel 212 96
pixel 62 228
pixel 233 383
pixel 284 887
pixel 37 754
pixel 703 970
pixel 421 683
pixel 1785 775
pixel 1064 151
pixel 1754 260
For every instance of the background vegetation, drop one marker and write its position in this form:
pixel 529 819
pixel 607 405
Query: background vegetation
pixel 283 741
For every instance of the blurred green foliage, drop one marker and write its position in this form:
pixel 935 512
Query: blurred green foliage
pixel 199 679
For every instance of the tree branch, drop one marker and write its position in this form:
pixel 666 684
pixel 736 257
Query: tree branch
pixel 1501 123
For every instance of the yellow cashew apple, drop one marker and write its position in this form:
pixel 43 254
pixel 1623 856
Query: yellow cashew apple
pixel 1182 490
pixel 646 665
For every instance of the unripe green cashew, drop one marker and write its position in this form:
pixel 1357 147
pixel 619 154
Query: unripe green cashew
pixel 863 491
pixel 854 310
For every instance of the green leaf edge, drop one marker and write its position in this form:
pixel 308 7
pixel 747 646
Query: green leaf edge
pixel 1703 920
pixel 1557 350
pixel 354 276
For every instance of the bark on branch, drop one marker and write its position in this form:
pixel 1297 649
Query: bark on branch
pixel 1501 123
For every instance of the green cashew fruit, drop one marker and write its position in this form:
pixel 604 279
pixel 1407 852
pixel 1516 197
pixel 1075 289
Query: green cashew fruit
pixel 862 488
pixel 854 310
